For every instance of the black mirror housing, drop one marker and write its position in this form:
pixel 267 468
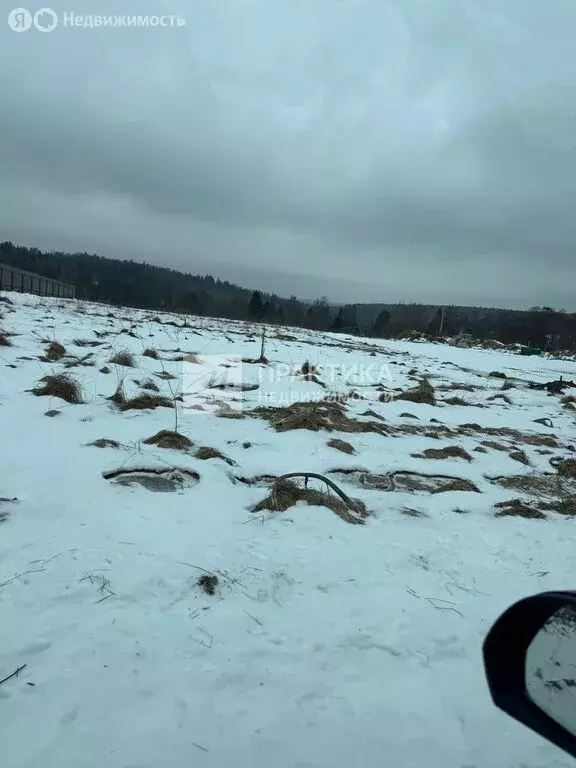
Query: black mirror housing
pixel 505 652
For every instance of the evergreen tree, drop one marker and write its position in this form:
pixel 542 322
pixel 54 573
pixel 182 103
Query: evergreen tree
pixel 255 309
pixel 381 324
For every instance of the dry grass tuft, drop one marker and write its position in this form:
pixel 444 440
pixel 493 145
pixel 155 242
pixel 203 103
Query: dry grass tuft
pixel 507 385
pixel 569 402
pixel 124 358
pixel 308 369
pixel 450 452
pixel 500 396
pixel 341 445
pixel 520 456
pixel 459 387
pixel 423 393
pixel 209 583
pixel 150 385
pixel 564 505
pixel 87 343
pixel 105 369
pixel 146 402
pixel 458 484
pixel 205 452
pixel 104 442
pixel 286 494
pixel 119 396
pixel 567 468
pixel 517 508
pixel 409 512
pixel 169 439
pixel 529 484
pixel 497 375
pixel 54 352
pixel 59 385
pixel 455 401
pixel 549 441
pixel 495 446
pixel 51 413
pixel 165 376
pixel 4 340
pixel 151 353
pixel 325 414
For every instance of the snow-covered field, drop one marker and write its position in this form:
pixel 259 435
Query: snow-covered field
pixel 326 643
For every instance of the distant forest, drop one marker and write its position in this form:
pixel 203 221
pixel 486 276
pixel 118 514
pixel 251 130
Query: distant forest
pixel 136 284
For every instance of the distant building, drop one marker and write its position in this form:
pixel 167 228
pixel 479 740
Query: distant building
pixel 13 279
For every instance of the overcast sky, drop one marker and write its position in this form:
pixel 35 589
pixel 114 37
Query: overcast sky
pixel 368 150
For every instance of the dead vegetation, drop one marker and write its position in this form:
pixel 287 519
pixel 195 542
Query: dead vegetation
pixel 423 393
pixel 455 401
pixel 500 396
pixel 104 442
pixel 409 512
pixel 286 493
pixel 528 484
pixel 105 369
pixel 497 375
pixel 119 396
pixel 457 484
pixel 406 480
pixel 206 452
pixel 449 452
pixel 495 446
pixel 54 352
pixel 87 343
pixel 209 583
pixel 123 358
pixel 150 385
pixel 545 492
pixel 515 435
pixel 59 385
pixel 520 456
pixel 144 402
pixel 326 415
pixel 4 340
pixel 153 353
pixel 341 445
pixel 517 508
pixel 165 376
pixel 169 439
pixel 567 468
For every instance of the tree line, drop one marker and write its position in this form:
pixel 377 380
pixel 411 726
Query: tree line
pixel 136 284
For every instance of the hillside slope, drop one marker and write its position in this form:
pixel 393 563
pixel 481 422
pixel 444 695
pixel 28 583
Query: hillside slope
pixel 325 643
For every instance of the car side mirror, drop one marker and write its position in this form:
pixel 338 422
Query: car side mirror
pixel 530 664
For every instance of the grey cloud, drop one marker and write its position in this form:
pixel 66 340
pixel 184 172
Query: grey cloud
pixel 364 140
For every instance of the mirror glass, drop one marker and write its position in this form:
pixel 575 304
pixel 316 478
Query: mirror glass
pixel 551 668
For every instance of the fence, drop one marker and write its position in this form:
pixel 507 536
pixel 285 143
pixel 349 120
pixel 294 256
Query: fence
pixel 13 279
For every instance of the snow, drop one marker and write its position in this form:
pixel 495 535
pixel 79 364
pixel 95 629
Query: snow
pixel 327 644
